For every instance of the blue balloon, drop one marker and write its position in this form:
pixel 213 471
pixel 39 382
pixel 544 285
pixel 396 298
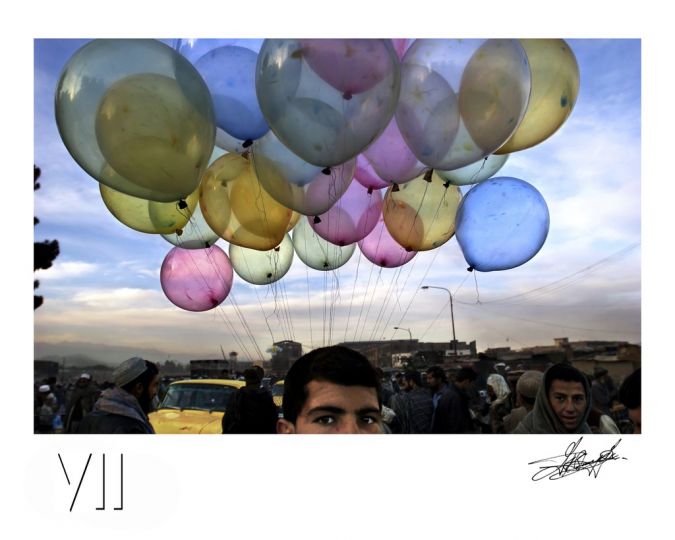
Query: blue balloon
pixel 194 49
pixel 501 223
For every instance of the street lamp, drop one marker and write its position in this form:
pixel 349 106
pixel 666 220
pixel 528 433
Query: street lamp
pixel 406 329
pixel 452 314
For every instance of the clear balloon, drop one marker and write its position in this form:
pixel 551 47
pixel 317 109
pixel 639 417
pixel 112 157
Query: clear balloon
pixel 380 248
pixel 327 123
pixel 461 99
pixel 366 175
pixel 316 252
pixel 195 234
pixel 351 218
pixel 194 49
pixel 236 206
pixel 555 86
pixel 262 267
pixel 229 72
pixel 196 279
pixel 296 184
pixel 501 223
pixel 420 215
pixel 391 158
pixel 150 217
pixel 137 117
pixel 476 172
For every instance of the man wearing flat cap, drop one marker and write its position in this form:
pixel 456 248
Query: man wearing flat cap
pixel 125 408
pixel 526 392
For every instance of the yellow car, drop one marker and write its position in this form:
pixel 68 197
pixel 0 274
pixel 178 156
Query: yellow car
pixel 278 393
pixel 194 406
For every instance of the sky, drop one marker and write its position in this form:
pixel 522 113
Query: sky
pixel 103 296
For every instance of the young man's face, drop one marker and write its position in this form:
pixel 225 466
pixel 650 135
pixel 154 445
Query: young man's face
pixel 333 408
pixel 433 382
pixel 568 401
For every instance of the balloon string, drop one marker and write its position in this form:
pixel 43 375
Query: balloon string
pixel 309 309
pixel 372 300
pixel 475 278
pixel 365 296
pixel 351 301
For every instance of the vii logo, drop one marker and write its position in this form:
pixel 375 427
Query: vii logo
pixel 84 472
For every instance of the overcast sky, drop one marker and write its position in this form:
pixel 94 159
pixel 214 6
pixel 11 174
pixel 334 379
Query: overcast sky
pixel 103 295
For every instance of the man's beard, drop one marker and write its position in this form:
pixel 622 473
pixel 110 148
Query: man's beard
pixel 145 401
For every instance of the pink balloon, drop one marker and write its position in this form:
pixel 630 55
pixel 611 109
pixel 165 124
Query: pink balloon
pixel 366 175
pixel 351 66
pixel 391 158
pixel 352 217
pixel 401 46
pixel 381 249
pixel 196 279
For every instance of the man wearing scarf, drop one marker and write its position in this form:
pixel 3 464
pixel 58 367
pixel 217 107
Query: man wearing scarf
pixel 562 405
pixel 125 408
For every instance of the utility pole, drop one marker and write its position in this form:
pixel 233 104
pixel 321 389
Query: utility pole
pixel 452 315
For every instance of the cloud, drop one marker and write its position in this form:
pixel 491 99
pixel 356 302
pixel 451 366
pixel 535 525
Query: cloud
pixel 64 270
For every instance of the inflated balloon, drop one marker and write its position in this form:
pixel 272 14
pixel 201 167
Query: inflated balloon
pixel 150 217
pixel 316 252
pixel 327 121
pixel 501 223
pixel 195 234
pixel 420 215
pixel 296 184
pixel 380 248
pixel 262 267
pixel 476 172
pixel 194 49
pixel 391 158
pixel 351 218
pixel 555 86
pixel 136 116
pixel 461 99
pixel 238 209
pixel 196 279
pixel 366 175
pixel 294 221
pixel 351 66
pixel 229 72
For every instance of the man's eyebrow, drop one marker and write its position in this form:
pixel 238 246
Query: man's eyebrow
pixel 328 409
pixel 368 410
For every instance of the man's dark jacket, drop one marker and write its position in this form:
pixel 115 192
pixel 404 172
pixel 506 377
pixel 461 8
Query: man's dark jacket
pixel 452 412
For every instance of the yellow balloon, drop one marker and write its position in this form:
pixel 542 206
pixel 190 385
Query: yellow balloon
pixel 152 135
pixel 421 215
pixel 555 86
pixel 149 216
pixel 294 221
pixel 238 209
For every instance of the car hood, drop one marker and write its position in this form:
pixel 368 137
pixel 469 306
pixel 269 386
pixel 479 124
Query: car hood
pixel 186 421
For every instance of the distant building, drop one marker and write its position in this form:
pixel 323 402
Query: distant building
pixel 411 352
pixel 44 369
pixel 284 353
pixel 209 369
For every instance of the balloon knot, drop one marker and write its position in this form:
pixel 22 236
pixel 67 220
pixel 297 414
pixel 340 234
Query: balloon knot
pixel 245 154
pixel 325 264
pixel 394 187
pixel 326 171
pixel 247 143
pixel 317 219
pixel 277 248
pixel 269 276
pixel 347 95
pixel 447 184
pixel 179 232
pixel 470 269
pixel 182 204
pixel 370 191
pixel 427 175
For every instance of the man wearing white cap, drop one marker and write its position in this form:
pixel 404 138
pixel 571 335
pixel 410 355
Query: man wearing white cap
pixel 81 402
pixel 125 408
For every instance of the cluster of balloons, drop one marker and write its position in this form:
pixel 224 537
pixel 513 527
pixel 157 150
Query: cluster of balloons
pixel 312 147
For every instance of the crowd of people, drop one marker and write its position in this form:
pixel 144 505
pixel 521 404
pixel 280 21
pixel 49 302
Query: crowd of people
pixel 336 390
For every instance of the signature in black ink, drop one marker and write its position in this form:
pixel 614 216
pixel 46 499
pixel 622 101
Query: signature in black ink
pixel 574 461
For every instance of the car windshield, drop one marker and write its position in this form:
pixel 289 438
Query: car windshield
pixel 208 397
pixel 278 390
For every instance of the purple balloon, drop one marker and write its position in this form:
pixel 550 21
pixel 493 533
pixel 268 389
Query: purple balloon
pixel 391 158
pixel 352 217
pixel 381 249
pixel 196 279
pixel 366 175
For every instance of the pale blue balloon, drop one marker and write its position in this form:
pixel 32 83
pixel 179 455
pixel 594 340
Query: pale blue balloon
pixel 476 172
pixel 501 223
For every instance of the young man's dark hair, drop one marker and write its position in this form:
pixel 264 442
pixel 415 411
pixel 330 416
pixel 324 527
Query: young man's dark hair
pixel 630 395
pixel 413 375
pixel 563 372
pixel 466 374
pixel 438 373
pixel 336 364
